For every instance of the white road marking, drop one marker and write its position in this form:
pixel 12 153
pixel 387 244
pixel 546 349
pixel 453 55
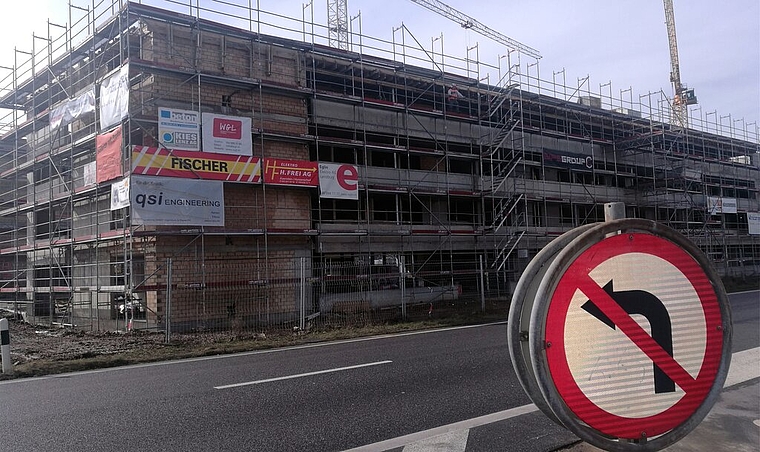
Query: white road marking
pixel 745 366
pixel 447 442
pixel 402 441
pixel 307 374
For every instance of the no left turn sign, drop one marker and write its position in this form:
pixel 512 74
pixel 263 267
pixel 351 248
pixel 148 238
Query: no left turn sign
pixel 629 336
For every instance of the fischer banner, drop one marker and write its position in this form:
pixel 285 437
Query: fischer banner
pixel 166 201
pixel 338 181
pixel 149 161
pixel 227 134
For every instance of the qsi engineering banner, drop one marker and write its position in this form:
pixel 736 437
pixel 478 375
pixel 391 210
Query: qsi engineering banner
pixel 167 201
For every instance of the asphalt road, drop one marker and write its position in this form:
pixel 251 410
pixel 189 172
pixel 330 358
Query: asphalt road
pixel 745 316
pixel 325 397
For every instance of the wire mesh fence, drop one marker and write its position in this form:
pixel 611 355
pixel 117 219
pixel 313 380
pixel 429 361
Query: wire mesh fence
pixel 195 293
pixel 265 295
pixel 192 286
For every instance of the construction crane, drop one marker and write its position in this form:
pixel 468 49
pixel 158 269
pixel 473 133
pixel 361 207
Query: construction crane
pixel 682 96
pixel 469 23
pixel 337 24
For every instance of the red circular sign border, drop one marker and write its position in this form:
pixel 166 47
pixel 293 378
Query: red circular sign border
pixel 584 409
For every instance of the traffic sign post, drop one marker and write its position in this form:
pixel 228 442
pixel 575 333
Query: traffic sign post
pixel 629 335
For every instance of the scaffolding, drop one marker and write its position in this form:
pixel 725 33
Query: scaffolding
pixel 461 193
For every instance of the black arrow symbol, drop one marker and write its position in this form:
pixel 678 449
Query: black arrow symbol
pixel 646 304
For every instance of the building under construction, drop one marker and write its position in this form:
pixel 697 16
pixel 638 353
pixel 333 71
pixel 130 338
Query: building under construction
pixel 184 161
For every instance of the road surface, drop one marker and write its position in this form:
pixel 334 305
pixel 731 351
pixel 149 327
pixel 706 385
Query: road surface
pixel 451 388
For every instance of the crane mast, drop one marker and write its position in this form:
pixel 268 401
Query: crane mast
pixel 337 22
pixel 468 22
pixel 682 96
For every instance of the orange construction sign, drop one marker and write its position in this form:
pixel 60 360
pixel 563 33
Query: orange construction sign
pixel 290 172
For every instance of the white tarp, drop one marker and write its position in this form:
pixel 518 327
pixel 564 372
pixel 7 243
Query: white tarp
pixel 338 181
pixel 717 205
pixel 227 134
pixel 167 201
pixel 69 110
pixel 114 98
pixel 120 194
pixel 179 129
pixel 753 222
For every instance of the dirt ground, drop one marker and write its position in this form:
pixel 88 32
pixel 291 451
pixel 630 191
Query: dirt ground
pixel 34 342
pixel 39 350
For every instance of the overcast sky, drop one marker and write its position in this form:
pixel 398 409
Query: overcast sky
pixel 623 42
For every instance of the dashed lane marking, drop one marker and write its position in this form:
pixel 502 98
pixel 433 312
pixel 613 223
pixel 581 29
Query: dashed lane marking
pixel 306 374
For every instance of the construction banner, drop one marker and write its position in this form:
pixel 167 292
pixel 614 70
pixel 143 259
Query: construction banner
pixel 179 129
pixel 718 205
pixel 66 112
pixel 114 98
pixel 561 159
pixel 108 156
pixel 165 201
pixel 753 223
pixel 89 176
pixel 150 161
pixel 338 181
pixel 227 134
pixel 120 194
pixel 290 172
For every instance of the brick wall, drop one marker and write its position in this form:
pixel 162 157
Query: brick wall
pixel 235 281
pixel 226 263
pixel 270 112
pixel 246 207
pixel 213 53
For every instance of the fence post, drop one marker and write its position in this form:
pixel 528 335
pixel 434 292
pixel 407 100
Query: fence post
pixel 402 285
pixel 168 313
pixel 303 294
pixel 5 344
pixel 482 284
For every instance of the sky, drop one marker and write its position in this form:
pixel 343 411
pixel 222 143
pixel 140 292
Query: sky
pixel 617 49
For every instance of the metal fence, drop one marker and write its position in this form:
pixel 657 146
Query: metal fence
pixel 191 292
pixel 260 295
